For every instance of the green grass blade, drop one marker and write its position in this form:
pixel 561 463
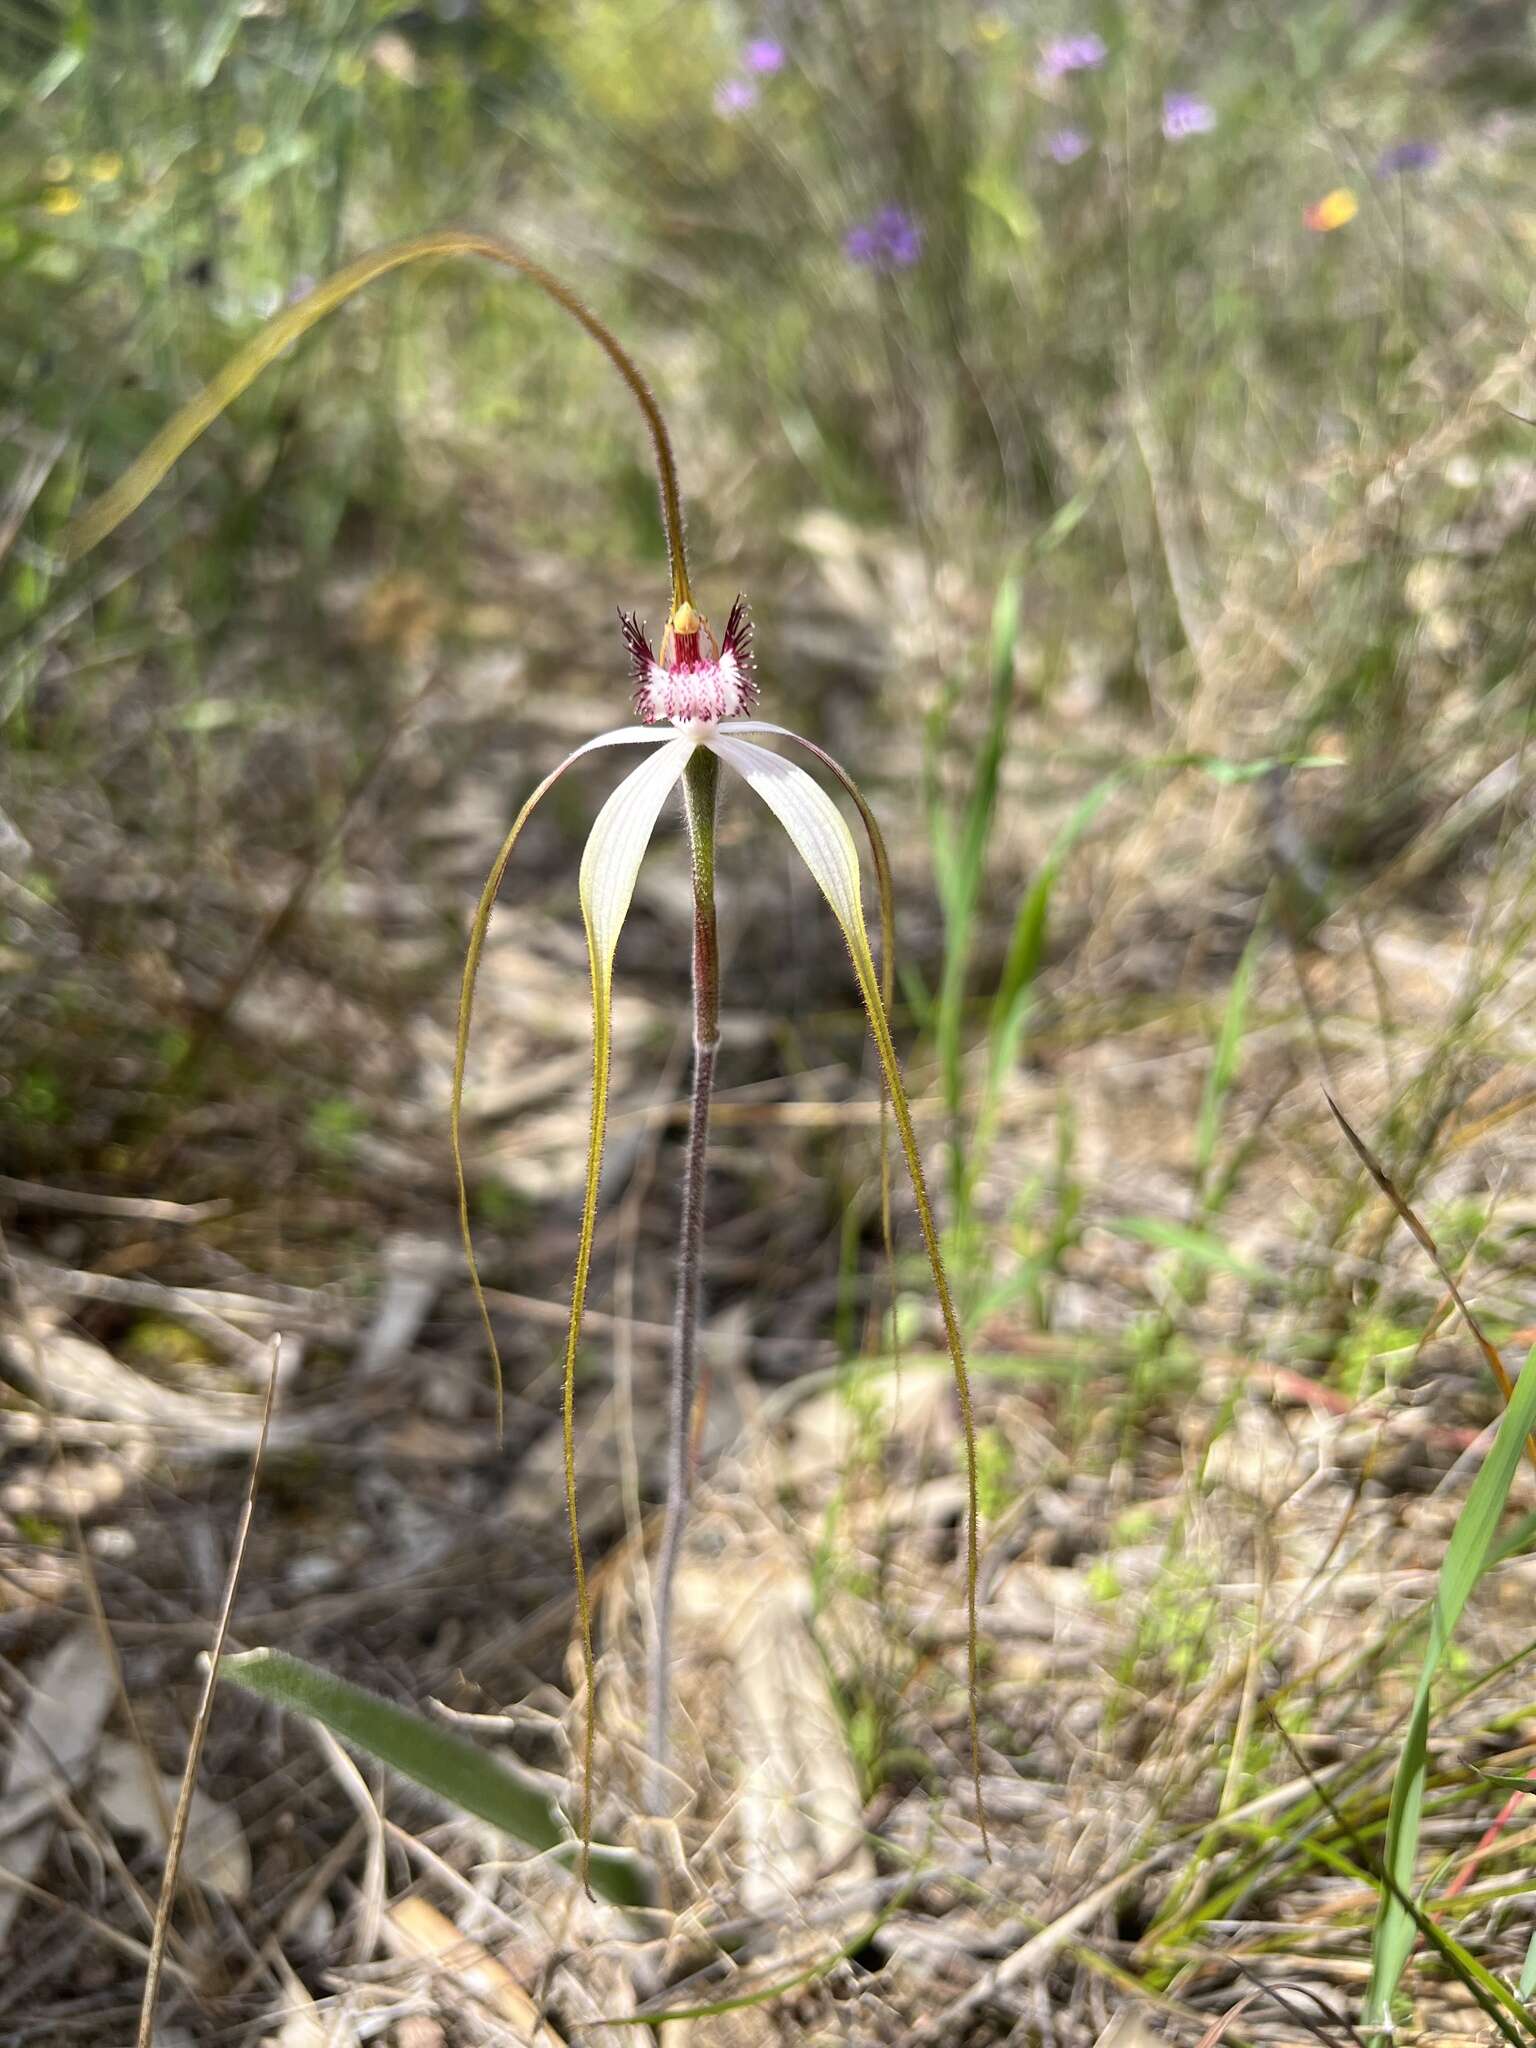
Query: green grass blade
pixel 968 866
pixel 1495 1999
pixel 1466 1558
pixel 1026 944
pixel 1223 1069
pixel 442 1761
pixel 1202 1247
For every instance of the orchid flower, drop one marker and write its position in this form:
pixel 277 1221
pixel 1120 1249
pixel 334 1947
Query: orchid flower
pixel 694 696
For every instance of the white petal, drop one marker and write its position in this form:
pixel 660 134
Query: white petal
pixel 617 843
pixel 622 736
pixel 811 819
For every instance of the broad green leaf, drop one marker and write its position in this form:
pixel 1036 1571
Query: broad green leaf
pixel 437 1758
pixel 1466 1559
pixel 820 836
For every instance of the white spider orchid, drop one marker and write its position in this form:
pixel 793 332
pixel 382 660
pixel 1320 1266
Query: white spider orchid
pixel 693 696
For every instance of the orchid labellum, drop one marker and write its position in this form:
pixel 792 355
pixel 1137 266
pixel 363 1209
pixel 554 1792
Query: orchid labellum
pixel 693 694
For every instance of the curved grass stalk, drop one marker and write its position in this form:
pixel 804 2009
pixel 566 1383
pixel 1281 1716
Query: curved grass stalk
pixel 824 843
pixel 172 441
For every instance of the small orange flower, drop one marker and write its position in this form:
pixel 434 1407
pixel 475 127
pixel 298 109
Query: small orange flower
pixel 1335 210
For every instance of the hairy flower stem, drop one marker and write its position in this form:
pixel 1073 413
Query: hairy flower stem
pixel 701 782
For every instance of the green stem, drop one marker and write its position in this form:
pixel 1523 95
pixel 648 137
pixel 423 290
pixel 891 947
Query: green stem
pixel 701 783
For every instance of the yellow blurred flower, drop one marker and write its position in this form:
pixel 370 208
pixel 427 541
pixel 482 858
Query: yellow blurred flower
pixel 105 168
pixel 249 139
pixel 1335 210
pixel 57 168
pixel 210 159
pixel 61 199
pixel 990 28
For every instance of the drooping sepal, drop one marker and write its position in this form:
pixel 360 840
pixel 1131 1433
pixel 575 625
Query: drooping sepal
pixel 819 835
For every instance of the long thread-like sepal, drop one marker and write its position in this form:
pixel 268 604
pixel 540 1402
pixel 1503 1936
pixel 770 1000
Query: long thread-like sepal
pixel 824 843
pixel 609 868
pixel 885 890
pixel 477 932
pixel 632 736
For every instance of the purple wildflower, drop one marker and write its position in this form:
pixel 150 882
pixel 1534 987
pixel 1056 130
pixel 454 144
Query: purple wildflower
pixel 1185 114
pixel 892 240
pixel 735 96
pixel 1066 145
pixel 1408 156
pixel 301 288
pixel 764 56
pixel 1071 53
pixel 902 236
